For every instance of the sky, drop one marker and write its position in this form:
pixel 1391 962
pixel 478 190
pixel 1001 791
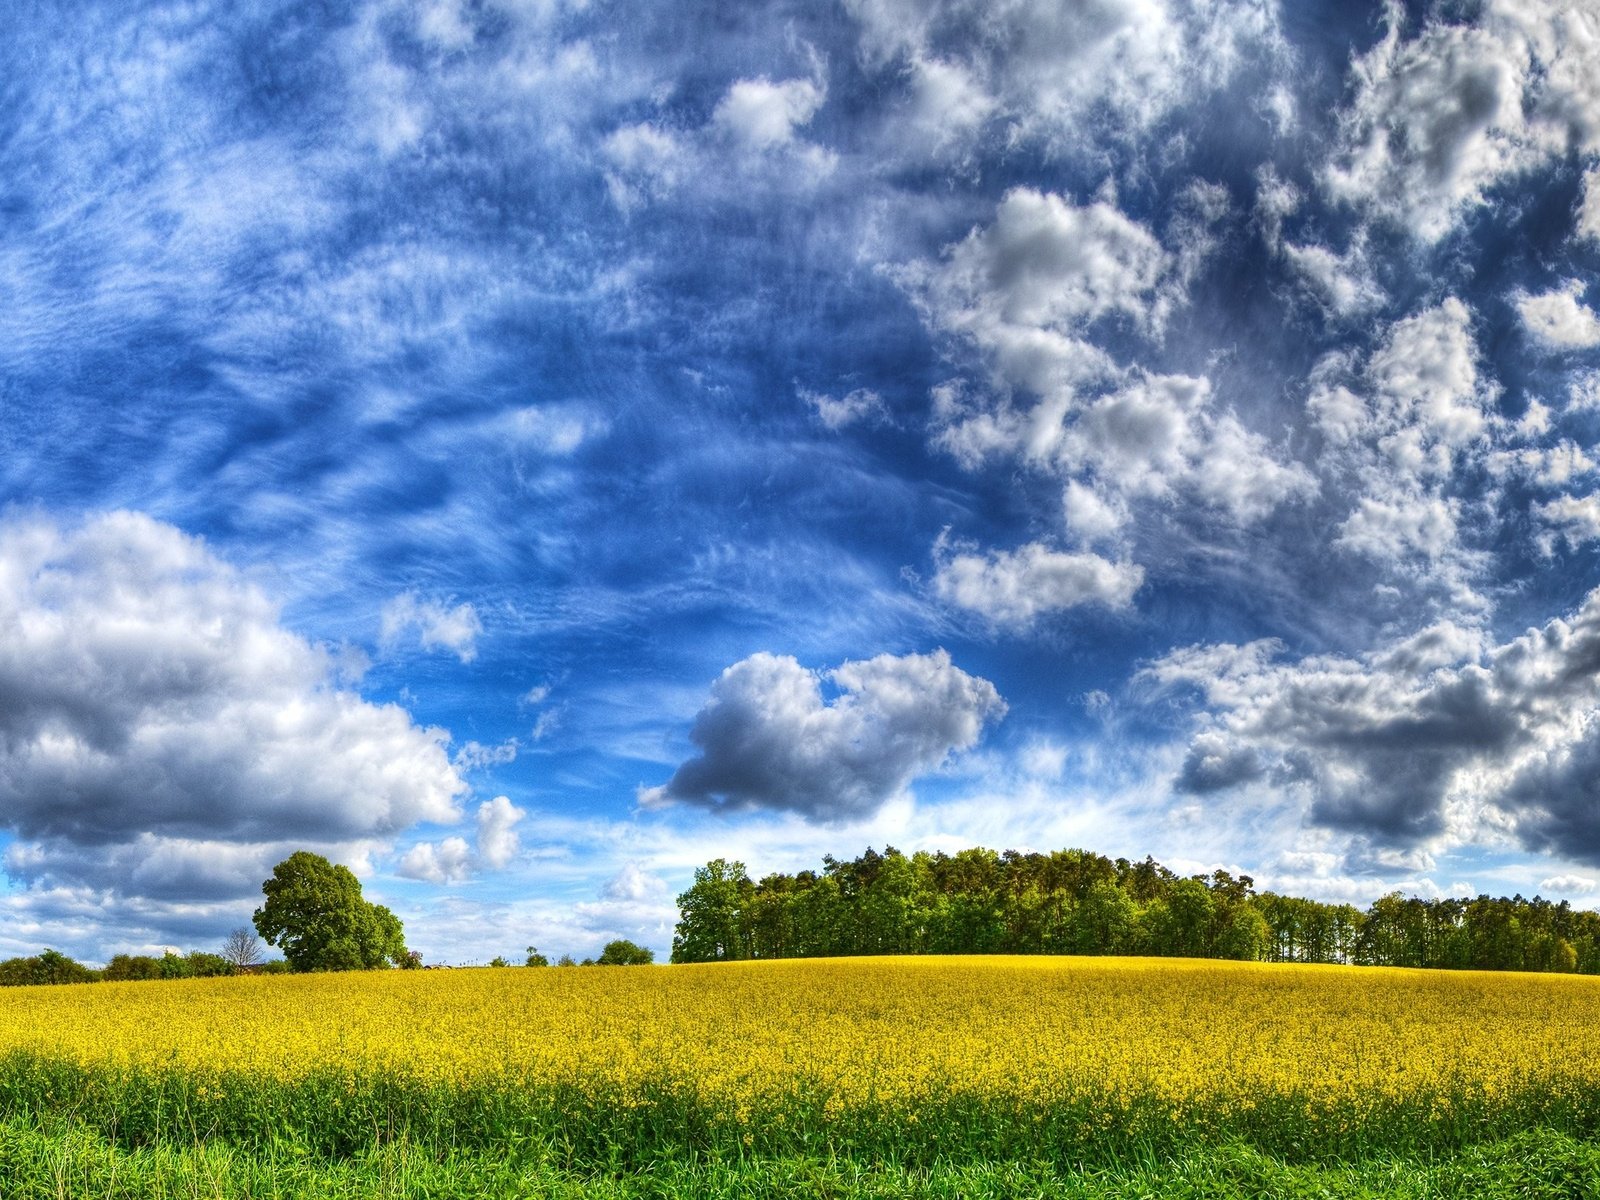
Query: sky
pixel 524 449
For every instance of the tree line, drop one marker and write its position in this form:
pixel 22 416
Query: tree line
pixel 980 901
pixel 315 913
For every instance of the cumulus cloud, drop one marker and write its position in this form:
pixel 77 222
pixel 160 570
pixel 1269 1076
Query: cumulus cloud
pixel 1436 739
pixel 447 861
pixel 1438 119
pixel 1055 71
pixel 437 625
pixel 1022 287
pixel 452 860
pixel 157 723
pixel 498 843
pixel 1034 292
pixel 634 885
pixel 769 739
pixel 1559 319
pixel 1574 518
pixel 1016 587
pixel 1397 428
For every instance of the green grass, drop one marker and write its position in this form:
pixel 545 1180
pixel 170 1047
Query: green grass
pixel 68 1161
pixel 339 1115
pixel 74 1131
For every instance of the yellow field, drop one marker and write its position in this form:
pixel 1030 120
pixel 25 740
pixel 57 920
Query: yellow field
pixel 895 1033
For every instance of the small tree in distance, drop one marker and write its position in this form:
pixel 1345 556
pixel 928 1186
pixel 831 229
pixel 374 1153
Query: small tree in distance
pixel 535 959
pixel 623 953
pixel 242 949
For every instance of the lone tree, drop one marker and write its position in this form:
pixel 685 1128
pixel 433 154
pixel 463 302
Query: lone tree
pixel 623 953
pixel 242 949
pixel 315 913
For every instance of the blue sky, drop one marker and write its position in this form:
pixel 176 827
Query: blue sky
pixel 526 449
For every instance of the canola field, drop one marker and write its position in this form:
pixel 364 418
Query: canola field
pixel 1067 1060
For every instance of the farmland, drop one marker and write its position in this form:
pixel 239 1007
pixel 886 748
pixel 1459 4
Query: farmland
pixel 904 1073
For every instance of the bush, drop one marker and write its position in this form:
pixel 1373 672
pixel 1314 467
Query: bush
pixel 623 953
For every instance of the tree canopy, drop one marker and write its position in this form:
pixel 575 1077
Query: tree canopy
pixel 623 953
pixel 979 901
pixel 315 913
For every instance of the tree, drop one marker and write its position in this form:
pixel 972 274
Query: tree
pixel 315 913
pixel 623 953
pixel 535 959
pixel 709 913
pixel 242 949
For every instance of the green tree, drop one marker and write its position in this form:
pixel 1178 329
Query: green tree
pixel 314 912
pixel 710 913
pixel 535 959
pixel 623 953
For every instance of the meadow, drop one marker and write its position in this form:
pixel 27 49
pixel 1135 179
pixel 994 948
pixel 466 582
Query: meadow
pixel 892 1076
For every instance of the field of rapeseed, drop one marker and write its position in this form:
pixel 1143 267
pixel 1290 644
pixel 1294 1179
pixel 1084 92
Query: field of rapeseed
pixel 922 1063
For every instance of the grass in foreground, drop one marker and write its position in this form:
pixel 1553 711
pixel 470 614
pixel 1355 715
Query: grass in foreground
pixel 79 1163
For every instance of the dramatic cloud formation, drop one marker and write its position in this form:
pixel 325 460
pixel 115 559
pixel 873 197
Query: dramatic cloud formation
pixel 1441 118
pixel 768 738
pixel 162 734
pixel 1432 739
pixel 488 376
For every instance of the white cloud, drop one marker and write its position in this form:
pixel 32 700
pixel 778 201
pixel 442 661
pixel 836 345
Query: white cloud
pixel 452 860
pixel 1588 224
pixel 155 712
pixel 448 861
pixel 475 755
pixel 1441 118
pixel 750 139
pixel 1044 268
pixel 768 738
pixel 1343 284
pixel 1575 518
pixel 1428 742
pixel 1057 72
pixel 858 405
pixel 437 624
pixel 761 114
pixel 1397 429
pixel 1580 885
pixel 634 884
pixel 1559 319
pixel 1029 292
pixel 498 842
pixel 1017 587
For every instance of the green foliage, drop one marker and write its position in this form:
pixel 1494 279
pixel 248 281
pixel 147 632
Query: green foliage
pixel 314 912
pixel 48 966
pixel 44 1159
pixel 623 953
pixel 499 961
pixel 1529 1143
pixel 711 927
pixel 535 959
pixel 978 901
pixel 128 967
